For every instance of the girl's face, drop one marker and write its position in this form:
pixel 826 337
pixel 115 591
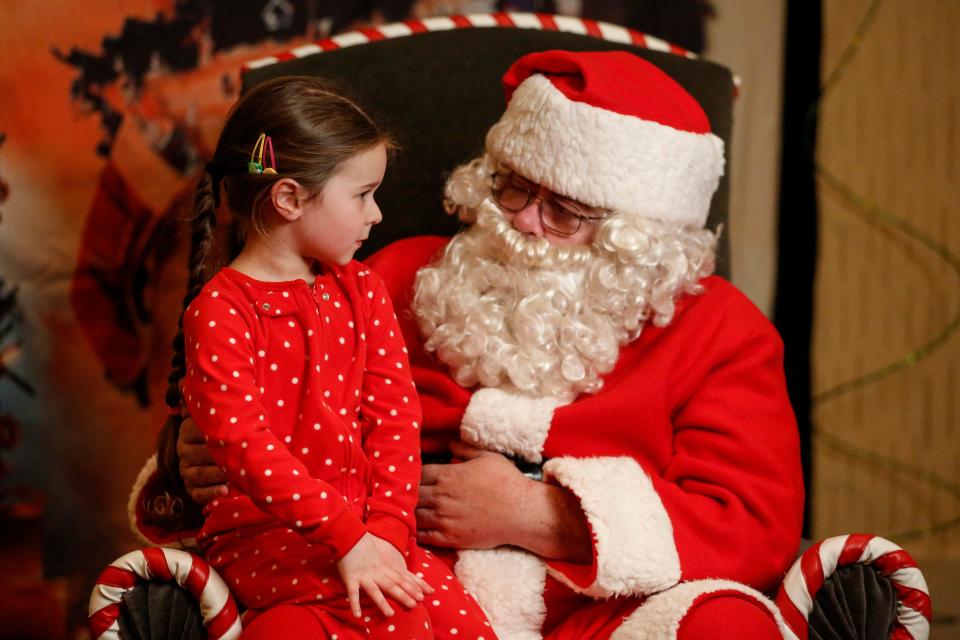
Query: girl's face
pixel 338 219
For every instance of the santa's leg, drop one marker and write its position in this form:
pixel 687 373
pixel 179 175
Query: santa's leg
pixel 713 616
pixel 717 616
pixel 704 609
pixel 578 618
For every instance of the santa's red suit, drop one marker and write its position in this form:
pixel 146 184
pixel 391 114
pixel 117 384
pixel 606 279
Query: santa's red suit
pixel 675 433
pixel 686 465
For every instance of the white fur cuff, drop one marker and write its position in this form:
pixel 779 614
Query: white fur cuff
pixel 508 584
pixel 633 536
pixel 660 615
pixel 148 470
pixel 509 423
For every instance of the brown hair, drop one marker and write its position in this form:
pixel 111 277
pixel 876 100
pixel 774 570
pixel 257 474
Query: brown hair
pixel 314 128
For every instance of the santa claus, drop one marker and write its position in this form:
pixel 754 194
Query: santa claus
pixel 628 458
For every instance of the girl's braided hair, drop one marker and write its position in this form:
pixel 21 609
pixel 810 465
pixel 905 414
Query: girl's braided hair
pixel 314 129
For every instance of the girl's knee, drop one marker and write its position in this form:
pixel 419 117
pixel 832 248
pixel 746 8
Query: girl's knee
pixel 285 621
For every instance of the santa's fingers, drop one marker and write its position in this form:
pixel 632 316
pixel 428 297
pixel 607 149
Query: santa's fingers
pixel 205 476
pixel 203 495
pixel 434 538
pixel 427 518
pixel 466 451
pixel 430 473
pixel 427 497
pixel 190 434
pixel 203 484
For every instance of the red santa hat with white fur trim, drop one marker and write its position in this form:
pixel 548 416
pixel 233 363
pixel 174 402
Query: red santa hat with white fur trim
pixel 611 130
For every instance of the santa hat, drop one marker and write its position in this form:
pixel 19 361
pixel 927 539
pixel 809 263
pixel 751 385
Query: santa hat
pixel 611 130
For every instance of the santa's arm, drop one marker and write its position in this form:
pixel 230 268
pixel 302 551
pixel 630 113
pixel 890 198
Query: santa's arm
pixel 483 501
pixel 728 503
pixel 552 524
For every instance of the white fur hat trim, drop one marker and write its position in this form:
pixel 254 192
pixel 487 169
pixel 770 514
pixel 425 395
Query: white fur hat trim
pixel 606 159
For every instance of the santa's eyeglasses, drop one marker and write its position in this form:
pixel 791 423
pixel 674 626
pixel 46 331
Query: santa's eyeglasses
pixel 560 215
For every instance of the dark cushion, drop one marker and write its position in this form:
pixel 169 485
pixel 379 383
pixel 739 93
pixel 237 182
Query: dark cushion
pixel 855 603
pixel 160 611
pixel 439 92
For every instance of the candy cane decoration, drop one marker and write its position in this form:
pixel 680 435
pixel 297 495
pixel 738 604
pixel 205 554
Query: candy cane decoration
pixel 819 562
pixel 539 21
pixel 217 607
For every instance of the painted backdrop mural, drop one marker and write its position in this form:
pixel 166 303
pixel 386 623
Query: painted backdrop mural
pixel 109 109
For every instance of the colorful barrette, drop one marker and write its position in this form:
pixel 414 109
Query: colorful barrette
pixel 256 157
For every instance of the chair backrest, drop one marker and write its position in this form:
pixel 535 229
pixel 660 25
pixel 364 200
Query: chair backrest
pixel 439 91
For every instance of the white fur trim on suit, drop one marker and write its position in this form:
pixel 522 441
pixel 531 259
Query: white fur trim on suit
pixel 508 584
pixel 660 615
pixel 633 166
pixel 635 550
pixel 509 423
pixel 148 470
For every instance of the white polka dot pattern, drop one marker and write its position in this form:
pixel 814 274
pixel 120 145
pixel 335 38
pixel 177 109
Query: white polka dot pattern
pixel 258 353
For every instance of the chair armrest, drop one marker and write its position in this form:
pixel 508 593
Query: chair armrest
pixel 162 593
pixel 855 584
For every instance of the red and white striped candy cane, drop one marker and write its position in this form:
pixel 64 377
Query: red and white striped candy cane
pixel 217 607
pixel 819 562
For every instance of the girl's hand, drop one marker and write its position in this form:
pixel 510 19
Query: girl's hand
pixel 375 566
pixel 394 559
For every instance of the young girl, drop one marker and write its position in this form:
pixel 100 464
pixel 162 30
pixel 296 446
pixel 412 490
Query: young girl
pixel 291 363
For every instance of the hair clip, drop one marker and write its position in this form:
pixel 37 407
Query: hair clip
pixel 256 159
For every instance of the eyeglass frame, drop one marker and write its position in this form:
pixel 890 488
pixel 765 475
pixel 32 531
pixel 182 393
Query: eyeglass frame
pixel 564 208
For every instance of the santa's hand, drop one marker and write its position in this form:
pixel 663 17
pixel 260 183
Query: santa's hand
pixel 485 502
pixel 202 478
pixel 473 504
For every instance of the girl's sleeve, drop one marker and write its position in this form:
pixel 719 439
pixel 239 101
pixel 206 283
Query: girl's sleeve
pixel 391 416
pixel 222 395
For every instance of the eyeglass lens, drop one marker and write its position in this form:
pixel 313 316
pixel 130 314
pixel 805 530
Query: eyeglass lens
pixel 557 216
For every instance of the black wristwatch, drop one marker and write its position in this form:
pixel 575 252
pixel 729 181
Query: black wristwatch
pixel 533 470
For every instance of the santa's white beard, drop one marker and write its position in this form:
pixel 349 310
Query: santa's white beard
pixel 505 310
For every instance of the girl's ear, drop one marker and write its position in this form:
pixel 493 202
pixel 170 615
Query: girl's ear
pixel 287 197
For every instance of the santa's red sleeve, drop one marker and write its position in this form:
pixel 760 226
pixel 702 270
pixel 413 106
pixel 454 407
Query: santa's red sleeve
pixel 716 492
pixel 390 409
pixel 222 394
pixel 442 400
pixel 726 501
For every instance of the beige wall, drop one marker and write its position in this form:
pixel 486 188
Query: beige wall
pixel 747 37
pixel 890 130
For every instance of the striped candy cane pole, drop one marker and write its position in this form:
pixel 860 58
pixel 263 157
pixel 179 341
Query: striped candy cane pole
pixel 537 21
pixel 819 562
pixel 219 612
